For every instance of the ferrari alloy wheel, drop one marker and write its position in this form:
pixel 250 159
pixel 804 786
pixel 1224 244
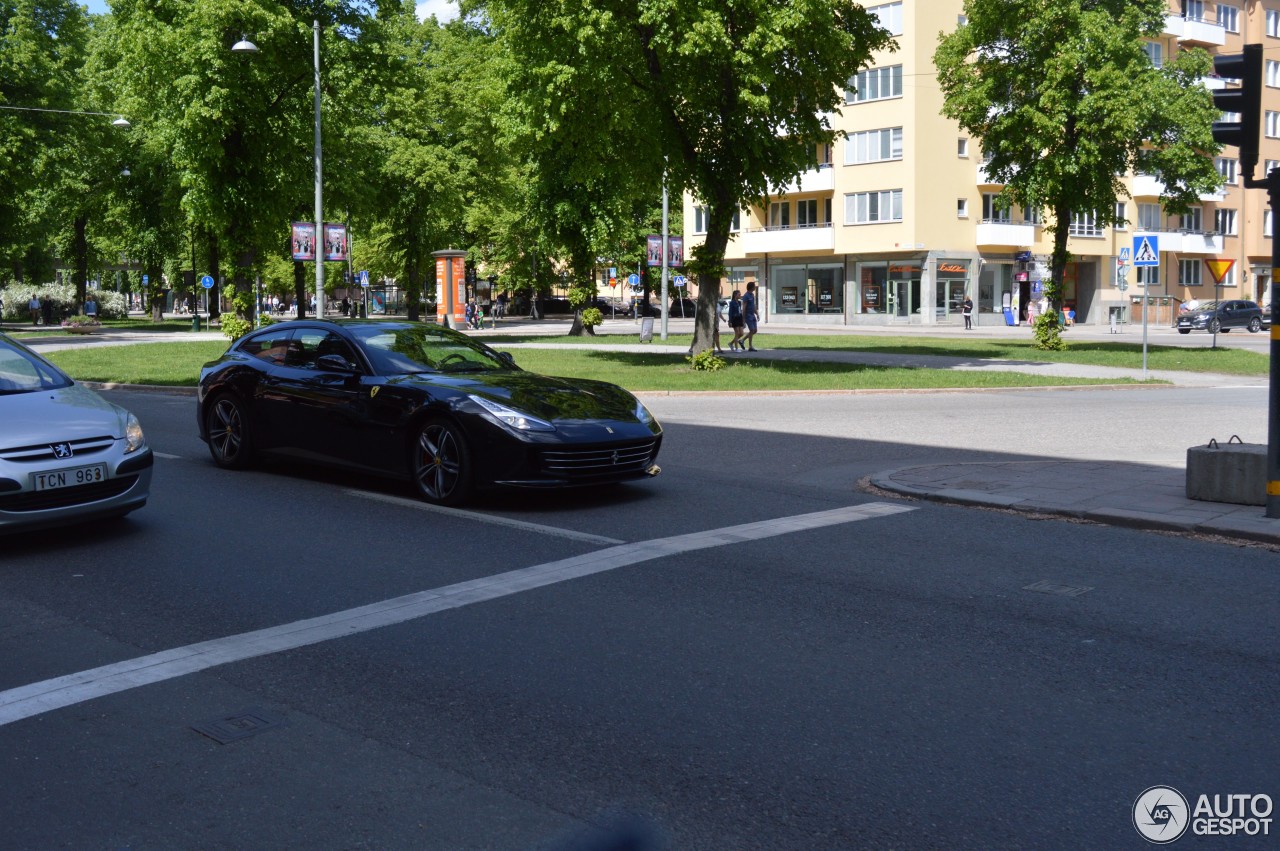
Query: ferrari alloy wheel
pixel 441 465
pixel 228 427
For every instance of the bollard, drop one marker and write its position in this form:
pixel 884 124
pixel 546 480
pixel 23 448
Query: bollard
pixel 1234 472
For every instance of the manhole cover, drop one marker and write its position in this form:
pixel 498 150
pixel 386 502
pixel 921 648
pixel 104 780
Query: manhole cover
pixel 1047 587
pixel 241 725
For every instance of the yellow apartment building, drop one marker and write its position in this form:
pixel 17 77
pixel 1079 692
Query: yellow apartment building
pixel 899 221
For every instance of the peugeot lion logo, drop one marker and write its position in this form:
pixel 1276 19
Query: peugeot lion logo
pixel 61 450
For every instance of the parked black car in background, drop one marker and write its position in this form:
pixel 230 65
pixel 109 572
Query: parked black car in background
pixel 418 403
pixel 1214 316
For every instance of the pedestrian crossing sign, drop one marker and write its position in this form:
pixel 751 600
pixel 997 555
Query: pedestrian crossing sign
pixel 1146 250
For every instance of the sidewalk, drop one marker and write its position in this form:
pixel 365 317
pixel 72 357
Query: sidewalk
pixel 1110 492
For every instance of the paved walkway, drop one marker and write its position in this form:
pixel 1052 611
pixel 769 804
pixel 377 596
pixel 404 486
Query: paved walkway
pixel 1116 493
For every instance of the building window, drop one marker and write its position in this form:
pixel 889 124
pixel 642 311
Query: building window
pixel 1192 220
pixel 992 210
pixel 735 224
pixel 875 84
pixel 1189 273
pixel 1267 165
pixel 873 146
pixel 1229 18
pixel 1031 217
pixel 1193 10
pixel 1273 73
pixel 1226 168
pixel 1272 124
pixel 1155 50
pixel 962 148
pixel 866 207
pixel 807 213
pixel 1084 224
pixel 780 215
pixel 962 208
pixel 1121 218
pixel 1150 217
pixel 1266 222
pixel 699 219
pixel 1273 23
pixel 889 15
pixel 1224 221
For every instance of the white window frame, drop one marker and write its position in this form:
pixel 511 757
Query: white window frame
pixel 1192 220
pixel 779 215
pixel 807 213
pixel 1273 23
pixel 1155 51
pixel 991 211
pixel 1227 168
pixel 1229 18
pixel 873 146
pixel 887 79
pixel 1271 124
pixel 865 208
pixel 889 15
pixel 1193 10
pixel 1272 73
pixel 1084 224
pixel 1150 217
pixel 962 148
pixel 962 208
pixel 1189 272
pixel 1266 222
pixel 1224 221
pixel 1121 209
pixel 699 219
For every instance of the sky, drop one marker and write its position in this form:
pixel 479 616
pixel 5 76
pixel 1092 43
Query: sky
pixel 444 10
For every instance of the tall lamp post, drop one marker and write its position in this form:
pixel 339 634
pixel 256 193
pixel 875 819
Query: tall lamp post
pixel 246 46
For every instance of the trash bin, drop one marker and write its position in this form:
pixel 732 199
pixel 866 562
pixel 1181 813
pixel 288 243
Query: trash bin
pixel 195 322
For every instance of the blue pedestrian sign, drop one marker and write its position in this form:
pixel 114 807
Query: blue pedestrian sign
pixel 1146 250
pixel 145 279
pixel 364 278
pixel 207 282
pixel 679 280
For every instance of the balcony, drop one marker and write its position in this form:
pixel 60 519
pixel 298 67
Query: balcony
pixel 1202 33
pixel 770 240
pixel 991 234
pixel 1197 243
pixel 985 179
pixel 1173 25
pixel 820 179
pixel 1146 186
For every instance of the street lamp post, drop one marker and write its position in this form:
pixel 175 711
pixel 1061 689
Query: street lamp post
pixel 246 46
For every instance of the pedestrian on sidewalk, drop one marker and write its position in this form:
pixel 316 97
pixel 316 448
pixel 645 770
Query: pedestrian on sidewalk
pixel 34 306
pixel 967 310
pixel 750 315
pixel 735 320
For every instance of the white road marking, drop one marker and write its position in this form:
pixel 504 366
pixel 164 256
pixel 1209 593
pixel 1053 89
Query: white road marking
pixel 459 514
pixel 37 698
pixel 164 455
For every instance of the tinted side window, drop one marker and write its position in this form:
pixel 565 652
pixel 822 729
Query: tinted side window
pixel 311 345
pixel 272 347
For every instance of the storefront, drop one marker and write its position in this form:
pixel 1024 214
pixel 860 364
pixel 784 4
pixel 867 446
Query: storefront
pixel 813 290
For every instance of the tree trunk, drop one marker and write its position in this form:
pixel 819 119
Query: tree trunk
pixel 413 292
pixel 711 257
pixel 156 292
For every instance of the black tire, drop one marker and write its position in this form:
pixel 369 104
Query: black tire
pixel 1184 330
pixel 1255 325
pixel 230 442
pixel 440 464
pixel 1214 326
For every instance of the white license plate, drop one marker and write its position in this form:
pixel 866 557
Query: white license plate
pixel 69 478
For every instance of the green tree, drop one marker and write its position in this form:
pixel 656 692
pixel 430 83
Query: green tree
pixel 1065 101
pixel 728 96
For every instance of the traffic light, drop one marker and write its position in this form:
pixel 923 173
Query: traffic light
pixel 471 274
pixel 1245 101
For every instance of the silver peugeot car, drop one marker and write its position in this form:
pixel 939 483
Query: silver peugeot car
pixel 66 454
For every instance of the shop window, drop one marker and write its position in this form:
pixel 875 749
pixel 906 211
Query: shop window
pixel 808 289
pixel 872 288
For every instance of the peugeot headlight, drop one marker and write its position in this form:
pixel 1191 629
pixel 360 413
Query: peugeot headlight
pixel 133 439
pixel 518 420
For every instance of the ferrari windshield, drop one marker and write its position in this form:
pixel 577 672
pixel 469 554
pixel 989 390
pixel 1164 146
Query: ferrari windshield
pixel 401 350
pixel 23 372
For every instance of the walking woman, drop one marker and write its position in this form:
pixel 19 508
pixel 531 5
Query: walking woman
pixel 736 321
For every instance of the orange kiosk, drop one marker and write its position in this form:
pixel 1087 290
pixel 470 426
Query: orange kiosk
pixel 451 288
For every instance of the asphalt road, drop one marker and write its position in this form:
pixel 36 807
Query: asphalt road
pixel 881 679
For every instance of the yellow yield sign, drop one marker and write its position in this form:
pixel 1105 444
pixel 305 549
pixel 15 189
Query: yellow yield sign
pixel 1219 268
